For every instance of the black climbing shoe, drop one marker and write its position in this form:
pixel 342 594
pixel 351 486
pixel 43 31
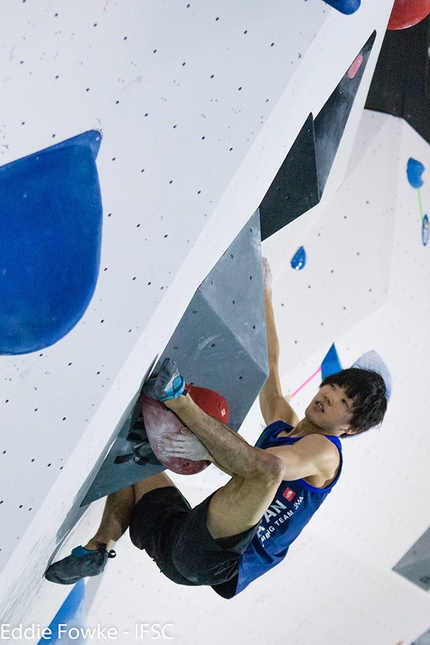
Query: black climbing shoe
pixel 168 384
pixel 80 564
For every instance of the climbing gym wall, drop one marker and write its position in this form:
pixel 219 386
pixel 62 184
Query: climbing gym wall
pixel 197 106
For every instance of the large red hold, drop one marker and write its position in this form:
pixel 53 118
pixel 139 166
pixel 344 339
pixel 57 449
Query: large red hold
pixel 161 424
pixel 407 13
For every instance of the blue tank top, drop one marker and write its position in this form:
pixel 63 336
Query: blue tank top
pixel 291 509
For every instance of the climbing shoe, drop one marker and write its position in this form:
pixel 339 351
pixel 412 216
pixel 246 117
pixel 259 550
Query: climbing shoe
pixel 80 564
pixel 168 384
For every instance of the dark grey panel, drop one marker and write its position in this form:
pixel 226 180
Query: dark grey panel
pixel 415 564
pixel 331 121
pixel 295 188
pixel 400 84
pixel 301 180
pixel 424 639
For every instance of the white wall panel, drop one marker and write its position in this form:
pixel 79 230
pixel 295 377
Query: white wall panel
pixel 198 103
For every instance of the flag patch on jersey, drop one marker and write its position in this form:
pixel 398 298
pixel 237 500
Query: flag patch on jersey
pixel 289 494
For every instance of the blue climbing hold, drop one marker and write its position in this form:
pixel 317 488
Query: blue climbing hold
pixel 331 363
pixel 345 6
pixel 50 242
pixel 299 259
pixel 69 623
pixel 414 171
pixel 425 230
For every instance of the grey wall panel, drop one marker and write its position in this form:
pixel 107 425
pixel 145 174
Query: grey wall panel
pixel 415 564
pixel 220 344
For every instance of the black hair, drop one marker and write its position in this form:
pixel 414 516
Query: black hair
pixel 369 392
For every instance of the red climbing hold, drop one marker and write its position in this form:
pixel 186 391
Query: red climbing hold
pixel 407 13
pixel 355 66
pixel 162 424
pixel 209 401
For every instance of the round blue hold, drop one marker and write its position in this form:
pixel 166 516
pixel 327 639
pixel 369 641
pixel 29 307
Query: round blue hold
pixel 425 230
pixel 299 259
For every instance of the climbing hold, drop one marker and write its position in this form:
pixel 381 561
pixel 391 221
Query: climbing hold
pixel 50 242
pixel 407 13
pixel 414 170
pixel 355 67
pixel 344 6
pixel 331 363
pixel 299 259
pixel 209 401
pixel 425 230
pixel 162 424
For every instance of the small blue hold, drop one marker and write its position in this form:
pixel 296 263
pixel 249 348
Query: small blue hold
pixel 299 259
pixel 331 363
pixel 414 171
pixel 425 230
pixel 345 6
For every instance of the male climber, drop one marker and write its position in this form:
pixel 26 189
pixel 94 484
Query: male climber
pixel 245 527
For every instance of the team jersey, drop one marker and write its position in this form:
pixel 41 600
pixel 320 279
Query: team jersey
pixel 291 509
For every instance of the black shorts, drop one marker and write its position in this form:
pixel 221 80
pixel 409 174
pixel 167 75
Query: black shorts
pixel 176 537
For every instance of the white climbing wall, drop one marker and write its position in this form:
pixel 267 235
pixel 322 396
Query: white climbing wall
pixel 199 103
